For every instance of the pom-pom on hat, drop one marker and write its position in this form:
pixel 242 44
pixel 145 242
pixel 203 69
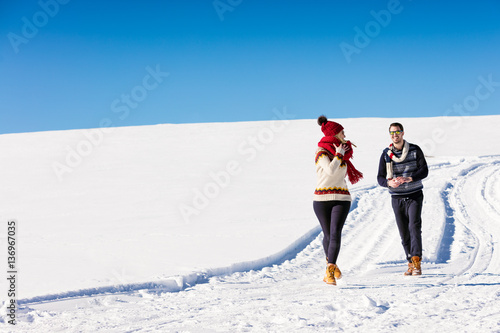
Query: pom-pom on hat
pixel 329 128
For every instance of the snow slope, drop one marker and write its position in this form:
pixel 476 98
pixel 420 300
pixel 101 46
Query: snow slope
pixel 209 227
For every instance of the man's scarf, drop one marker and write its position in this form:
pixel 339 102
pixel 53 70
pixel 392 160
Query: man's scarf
pixel 328 143
pixel 390 157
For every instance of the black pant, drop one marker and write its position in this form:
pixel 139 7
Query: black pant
pixel 408 211
pixel 331 216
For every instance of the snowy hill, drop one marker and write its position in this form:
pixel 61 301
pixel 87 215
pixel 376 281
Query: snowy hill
pixel 122 229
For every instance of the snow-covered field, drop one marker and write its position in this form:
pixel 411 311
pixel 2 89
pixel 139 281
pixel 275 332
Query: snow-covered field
pixel 210 228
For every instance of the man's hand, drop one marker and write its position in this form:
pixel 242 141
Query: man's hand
pixel 404 179
pixel 395 182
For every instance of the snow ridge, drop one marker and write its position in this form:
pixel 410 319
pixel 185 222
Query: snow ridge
pixel 181 282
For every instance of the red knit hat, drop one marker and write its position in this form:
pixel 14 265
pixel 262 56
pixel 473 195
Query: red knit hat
pixel 330 143
pixel 328 127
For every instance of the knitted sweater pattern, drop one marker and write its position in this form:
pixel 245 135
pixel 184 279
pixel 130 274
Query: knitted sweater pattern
pixel 406 168
pixel 330 171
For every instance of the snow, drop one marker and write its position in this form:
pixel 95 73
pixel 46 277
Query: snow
pixel 210 228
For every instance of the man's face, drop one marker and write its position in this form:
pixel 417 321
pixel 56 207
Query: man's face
pixel 396 134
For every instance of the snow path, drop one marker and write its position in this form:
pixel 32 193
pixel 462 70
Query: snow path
pixel 458 291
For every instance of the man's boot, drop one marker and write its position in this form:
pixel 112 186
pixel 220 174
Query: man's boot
pixel 417 269
pixel 410 269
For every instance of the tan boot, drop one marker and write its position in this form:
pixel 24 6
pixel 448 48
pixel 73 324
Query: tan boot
pixel 410 269
pixel 417 269
pixel 337 273
pixel 326 274
pixel 330 275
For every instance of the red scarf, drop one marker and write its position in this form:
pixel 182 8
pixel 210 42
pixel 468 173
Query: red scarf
pixel 328 143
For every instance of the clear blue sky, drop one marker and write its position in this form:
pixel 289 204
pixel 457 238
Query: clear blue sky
pixel 72 64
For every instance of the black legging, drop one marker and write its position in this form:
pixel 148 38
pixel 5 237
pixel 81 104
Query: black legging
pixel 332 216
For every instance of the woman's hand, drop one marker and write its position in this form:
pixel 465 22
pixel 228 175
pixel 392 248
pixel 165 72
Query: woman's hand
pixel 340 149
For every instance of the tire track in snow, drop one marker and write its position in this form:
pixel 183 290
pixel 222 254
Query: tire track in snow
pixel 490 191
pixel 371 233
pixel 437 201
pixel 472 199
pixel 474 230
pixel 490 194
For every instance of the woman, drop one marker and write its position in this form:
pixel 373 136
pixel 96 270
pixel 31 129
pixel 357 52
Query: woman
pixel 332 199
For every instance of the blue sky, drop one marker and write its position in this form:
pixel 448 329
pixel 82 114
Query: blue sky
pixel 68 64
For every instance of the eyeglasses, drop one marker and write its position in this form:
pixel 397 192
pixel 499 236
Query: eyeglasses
pixel 395 132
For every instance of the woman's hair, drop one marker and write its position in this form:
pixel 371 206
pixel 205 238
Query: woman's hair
pixel 341 140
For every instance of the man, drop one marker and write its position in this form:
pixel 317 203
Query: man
pixel 401 169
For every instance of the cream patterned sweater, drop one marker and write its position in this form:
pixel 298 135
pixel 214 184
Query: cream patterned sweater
pixel 331 171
